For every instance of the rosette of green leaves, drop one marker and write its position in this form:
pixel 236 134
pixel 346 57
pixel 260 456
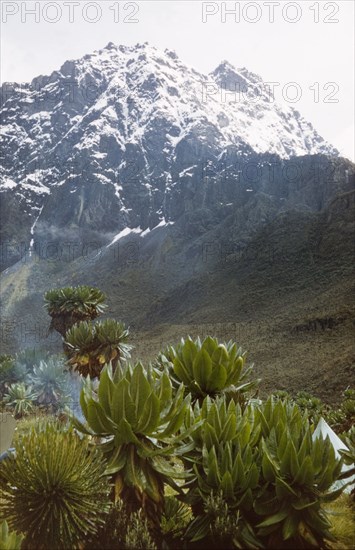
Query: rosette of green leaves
pixel 225 463
pixel 82 299
pixel 53 490
pixel 21 398
pixel 89 346
pixel 137 417
pixel 51 384
pixel 174 521
pixel 232 471
pixel 297 478
pixel 69 305
pixel 222 421
pixel 9 540
pixel 265 465
pixel 210 368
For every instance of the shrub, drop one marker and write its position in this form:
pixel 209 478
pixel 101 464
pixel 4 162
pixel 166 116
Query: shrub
pixel 222 527
pixel 314 406
pixel 53 491
pixel 47 386
pixel 122 530
pixel 253 476
pixel 6 368
pixel 175 518
pixel 340 419
pixel 225 460
pixel 138 535
pixel 19 368
pixel 28 358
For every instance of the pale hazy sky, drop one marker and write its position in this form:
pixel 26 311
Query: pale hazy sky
pixel 310 43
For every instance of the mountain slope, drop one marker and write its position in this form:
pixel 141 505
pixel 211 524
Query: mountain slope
pixel 196 202
pixel 287 296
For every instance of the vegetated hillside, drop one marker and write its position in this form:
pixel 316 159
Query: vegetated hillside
pixel 290 301
pixel 286 296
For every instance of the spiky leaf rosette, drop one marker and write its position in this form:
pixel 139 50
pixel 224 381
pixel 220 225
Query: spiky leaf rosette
pixel 298 473
pixel 138 418
pixel 89 346
pixel 51 384
pixel 225 463
pixel 21 398
pixel 210 368
pixel 266 466
pixel 70 305
pixel 9 540
pixel 53 490
pixel 174 521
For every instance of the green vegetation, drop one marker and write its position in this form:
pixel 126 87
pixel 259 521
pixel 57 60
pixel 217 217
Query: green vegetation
pixel 51 384
pixel 177 454
pixel 298 474
pixel 9 540
pixel 343 418
pixel 340 419
pixel 124 530
pixel 70 305
pixel 175 519
pixel 264 466
pixel 137 414
pixel 53 490
pixel 209 368
pixel 45 386
pixel 11 371
pixel 6 368
pixel 341 513
pixel 90 346
pixel 21 398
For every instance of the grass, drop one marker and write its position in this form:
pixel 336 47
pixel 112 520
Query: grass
pixel 26 423
pixel 342 516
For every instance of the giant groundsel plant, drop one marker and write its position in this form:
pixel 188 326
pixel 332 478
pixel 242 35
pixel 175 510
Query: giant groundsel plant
pixel 137 418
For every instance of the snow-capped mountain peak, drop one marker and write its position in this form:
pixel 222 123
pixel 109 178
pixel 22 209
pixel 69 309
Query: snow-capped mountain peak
pixel 143 125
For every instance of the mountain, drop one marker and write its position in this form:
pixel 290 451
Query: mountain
pixel 127 134
pixel 193 200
